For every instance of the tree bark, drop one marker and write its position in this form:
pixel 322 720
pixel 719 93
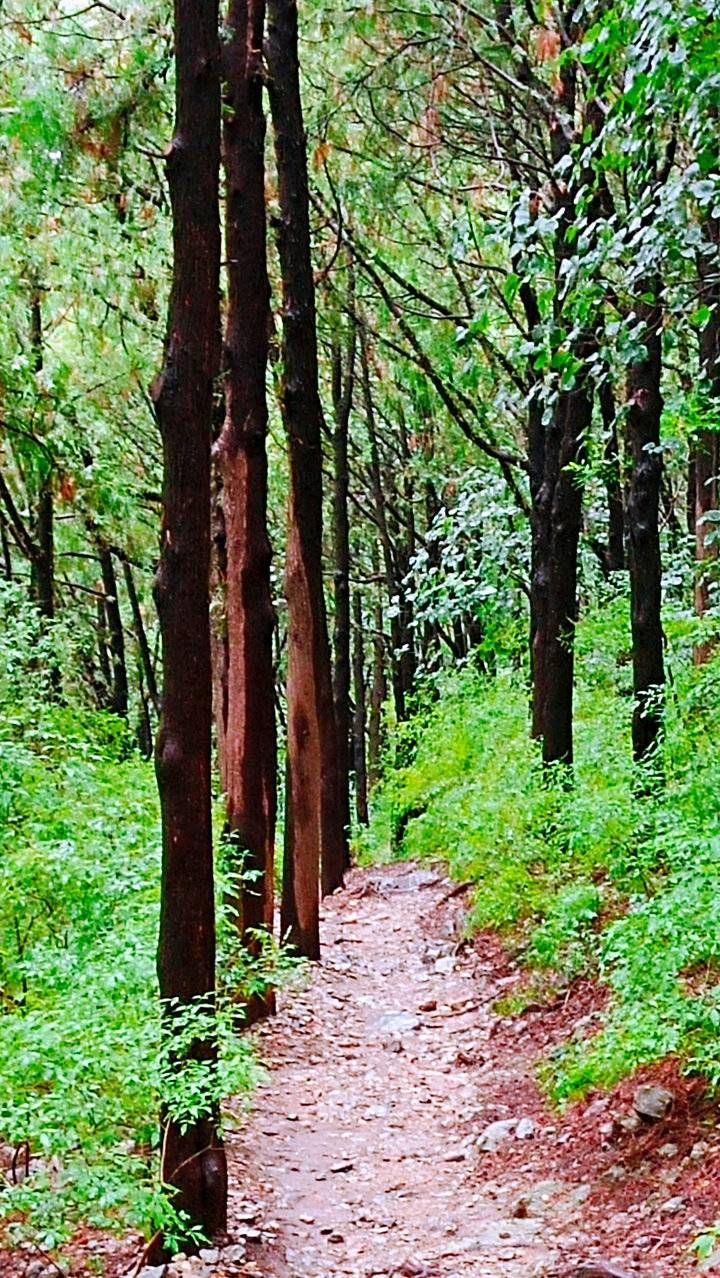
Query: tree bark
pixel 6 555
pixel 141 639
pixel 554 448
pixel 360 716
pixel 342 404
pixel 392 577
pixel 316 824
pixel 250 745
pixel 378 692
pixel 119 681
pixel 556 528
pixel 615 555
pixel 42 564
pixel 644 412
pixel 193 1160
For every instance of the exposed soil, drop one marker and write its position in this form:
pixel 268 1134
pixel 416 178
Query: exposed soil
pixel 363 1153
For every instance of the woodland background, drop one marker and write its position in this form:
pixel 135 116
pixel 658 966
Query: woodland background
pixel 515 218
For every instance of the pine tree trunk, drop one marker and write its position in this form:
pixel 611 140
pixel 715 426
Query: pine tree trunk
pixel 250 748
pixel 555 448
pixel 146 661
pixel 360 716
pixel 378 691
pixel 312 759
pixel 644 411
pixel 193 1159
pixel 42 567
pixel 556 529
pixel 6 555
pixel 342 403
pixel 615 559
pixel 119 681
pixel 392 582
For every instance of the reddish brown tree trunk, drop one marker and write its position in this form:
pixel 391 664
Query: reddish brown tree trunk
pixel 193 1160
pixel 250 750
pixel 312 762
pixel 644 411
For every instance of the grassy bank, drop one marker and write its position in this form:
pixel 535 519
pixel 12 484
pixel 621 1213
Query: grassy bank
pixel 607 877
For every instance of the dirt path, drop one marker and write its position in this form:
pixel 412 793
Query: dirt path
pixel 362 1157
pixel 401 1132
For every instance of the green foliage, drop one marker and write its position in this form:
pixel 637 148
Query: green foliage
pixel 83 1067
pixel 608 876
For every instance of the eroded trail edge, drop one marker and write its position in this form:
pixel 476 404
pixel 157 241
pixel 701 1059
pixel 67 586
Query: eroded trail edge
pixel 401 1130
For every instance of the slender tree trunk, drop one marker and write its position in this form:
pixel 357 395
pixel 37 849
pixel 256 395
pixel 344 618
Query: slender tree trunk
pixel 555 448
pixel 706 449
pixel 378 692
pixel 6 555
pixel 557 520
pixel 313 777
pixel 404 540
pixel 101 632
pixel 613 481
pixel 219 653
pixel 119 680
pixel 644 412
pixel 42 567
pixel 391 575
pixel 193 1160
pixel 250 747
pixel 360 715
pixel 342 404
pixel 141 639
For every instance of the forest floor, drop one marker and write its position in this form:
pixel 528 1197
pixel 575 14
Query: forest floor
pixel 401 1131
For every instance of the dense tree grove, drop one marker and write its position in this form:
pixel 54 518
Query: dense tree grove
pixel 359 377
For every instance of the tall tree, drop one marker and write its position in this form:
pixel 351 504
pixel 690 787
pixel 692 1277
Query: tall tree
pixel 644 414
pixel 193 1160
pixel 250 749
pixel 555 451
pixel 360 714
pixel 118 702
pixel 342 393
pixel 316 823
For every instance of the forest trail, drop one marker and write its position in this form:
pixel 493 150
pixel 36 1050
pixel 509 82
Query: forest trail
pixel 361 1156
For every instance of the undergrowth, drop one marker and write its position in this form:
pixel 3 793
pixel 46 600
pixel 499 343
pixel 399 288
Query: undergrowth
pixel 82 1070
pixel 617 876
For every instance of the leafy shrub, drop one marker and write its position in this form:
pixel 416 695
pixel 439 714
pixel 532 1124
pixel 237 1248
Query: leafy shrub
pixel 81 1062
pixel 607 876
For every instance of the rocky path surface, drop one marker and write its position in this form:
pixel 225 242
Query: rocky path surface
pixel 401 1133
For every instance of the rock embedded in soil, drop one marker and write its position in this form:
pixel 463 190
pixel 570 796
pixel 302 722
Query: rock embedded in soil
pixel 496 1134
pixel 653 1103
pixel 397 1023
pixel 598 1269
